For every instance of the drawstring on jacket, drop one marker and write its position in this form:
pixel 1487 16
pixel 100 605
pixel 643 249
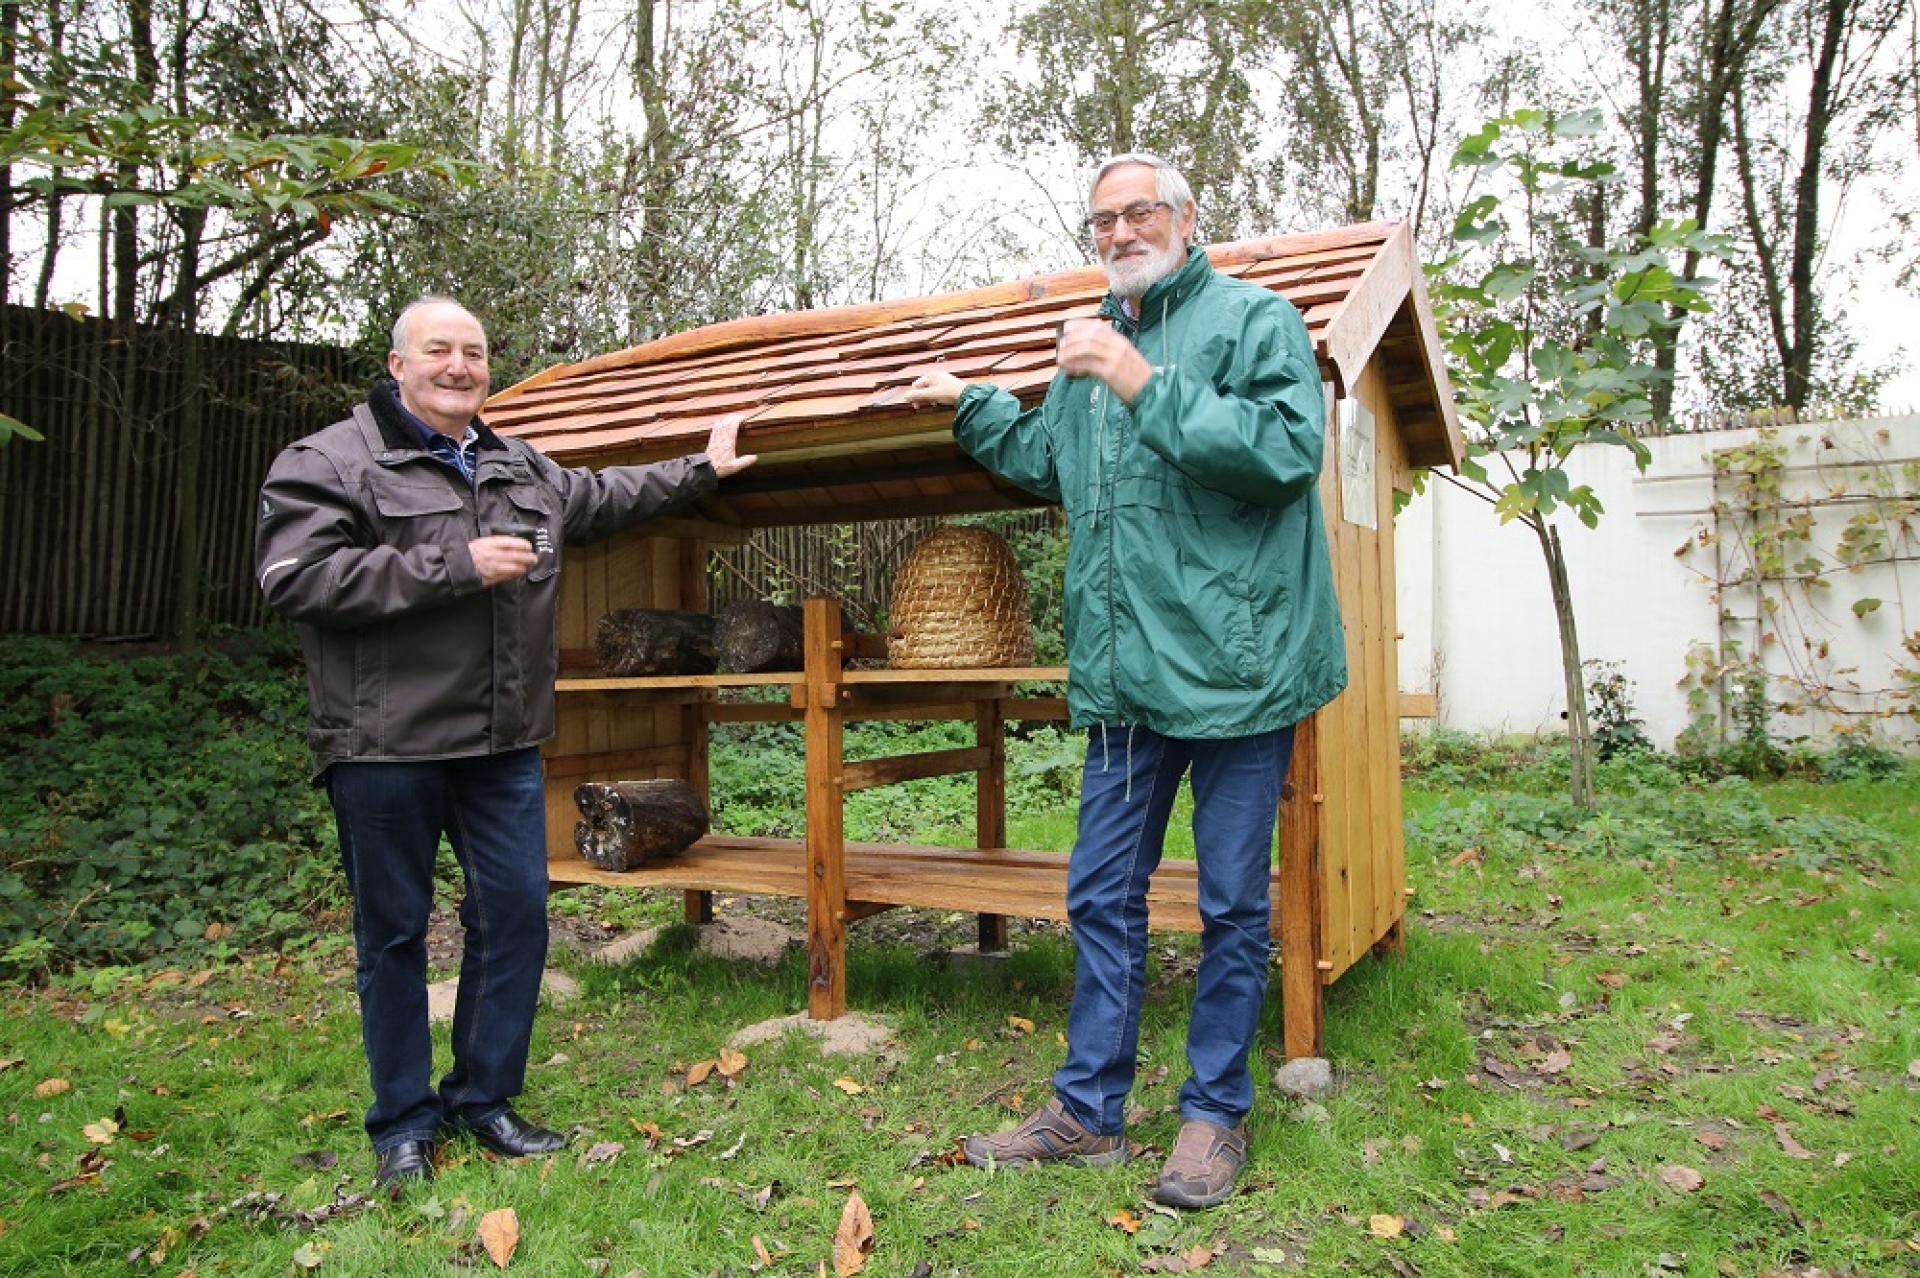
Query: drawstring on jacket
pixel 1106 764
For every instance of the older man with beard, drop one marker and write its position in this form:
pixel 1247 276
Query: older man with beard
pixel 1183 436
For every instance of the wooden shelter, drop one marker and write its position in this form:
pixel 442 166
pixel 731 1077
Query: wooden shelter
pixel 822 391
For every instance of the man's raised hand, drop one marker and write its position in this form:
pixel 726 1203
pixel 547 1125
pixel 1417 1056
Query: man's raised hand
pixel 721 445
pixel 934 388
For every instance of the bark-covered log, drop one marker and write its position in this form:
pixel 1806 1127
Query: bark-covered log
pixel 750 636
pixel 628 823
pixel 654 641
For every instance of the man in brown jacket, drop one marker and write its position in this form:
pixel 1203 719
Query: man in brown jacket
pixel 418 554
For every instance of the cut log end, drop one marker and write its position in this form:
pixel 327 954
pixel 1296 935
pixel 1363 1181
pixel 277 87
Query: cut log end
pixel 625 824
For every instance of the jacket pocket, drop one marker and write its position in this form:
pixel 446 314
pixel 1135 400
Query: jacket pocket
pixel 536 509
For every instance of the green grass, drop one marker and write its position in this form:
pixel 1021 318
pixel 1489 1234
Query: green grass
pixel 1766 1000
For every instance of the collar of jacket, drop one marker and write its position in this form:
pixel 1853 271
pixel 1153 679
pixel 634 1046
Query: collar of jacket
pixel 397 430
pixel 1163 296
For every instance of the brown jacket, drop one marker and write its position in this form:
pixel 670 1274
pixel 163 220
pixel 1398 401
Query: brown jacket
pixel 362 541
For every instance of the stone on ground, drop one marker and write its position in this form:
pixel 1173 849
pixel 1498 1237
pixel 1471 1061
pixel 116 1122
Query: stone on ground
pixel 1303 1078
pixel 850 1034
pixel 557 986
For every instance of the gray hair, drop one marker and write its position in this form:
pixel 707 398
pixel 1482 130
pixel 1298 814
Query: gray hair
pixel 1173 188
pixel 421 302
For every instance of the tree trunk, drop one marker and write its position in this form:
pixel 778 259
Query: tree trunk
pixel 751 636
pixel 186 356
pixel 654 641
pixel 628 823
pixel 1579 732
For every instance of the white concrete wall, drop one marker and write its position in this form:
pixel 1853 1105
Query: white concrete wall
pixel 1476 616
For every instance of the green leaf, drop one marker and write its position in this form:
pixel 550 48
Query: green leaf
pixel 1861 607
pixel 1579 124
pixel 13 426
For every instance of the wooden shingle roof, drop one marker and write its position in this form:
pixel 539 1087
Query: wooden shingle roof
pixel 822 390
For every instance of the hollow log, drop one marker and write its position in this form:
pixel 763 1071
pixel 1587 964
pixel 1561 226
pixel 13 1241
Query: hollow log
pixel 654 641
pixel 628 823
pixel 750 636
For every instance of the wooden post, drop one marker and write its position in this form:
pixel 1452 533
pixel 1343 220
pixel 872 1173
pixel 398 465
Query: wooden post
pixel 696 905
pixel 990 804
pixel 826 815
pixel 1301 818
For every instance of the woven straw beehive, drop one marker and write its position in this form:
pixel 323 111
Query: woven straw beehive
pixel 959 601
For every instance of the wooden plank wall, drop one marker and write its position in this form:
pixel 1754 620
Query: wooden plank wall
pixel 1364 850
pixel 88 518
pixel 597 734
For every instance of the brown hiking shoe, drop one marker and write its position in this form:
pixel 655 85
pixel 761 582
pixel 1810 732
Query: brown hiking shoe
pixel 1205 1161
pixel 1050 1135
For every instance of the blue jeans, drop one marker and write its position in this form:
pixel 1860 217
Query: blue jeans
pixel 391 815
pixel 1126 795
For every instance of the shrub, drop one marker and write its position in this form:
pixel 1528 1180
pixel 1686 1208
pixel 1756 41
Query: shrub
pixel 156 802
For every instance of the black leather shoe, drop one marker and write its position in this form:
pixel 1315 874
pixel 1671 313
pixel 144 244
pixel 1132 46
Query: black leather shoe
pixel 511 1136
pixel 410 1160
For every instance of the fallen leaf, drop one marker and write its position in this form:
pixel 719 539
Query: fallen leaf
pixel 499 1232
pixel 1021 1023
pixel 760 1250
pixel 1683 1178
pixel 1462 858
pixel 1445 1233
pixel 1125 1221
pixel 848 1086
pixel 307 1257
pixel 1913 1068
pixel 1386 1226
pixel 51 1087
pixel 731 1063
pixel 698 1073
pixel 1788 1145
pixel 1198 1256
pixel 1712 1140
pixel 1556 1062
pixel 1780 1207
pixel 603 1152
pixel 1612 980
pixel 11 1062
pixel 853 1240
pixel 100 1131
pixel 1576 1139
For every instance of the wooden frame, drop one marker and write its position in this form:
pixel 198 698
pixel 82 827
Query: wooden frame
pixel 843 882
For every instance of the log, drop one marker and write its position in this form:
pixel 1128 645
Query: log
pixel 628 823
pixel 654 641
pixel 751 636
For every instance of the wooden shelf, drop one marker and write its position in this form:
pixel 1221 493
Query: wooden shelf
pixel 985 674
pixel 989 881
pixel 673 683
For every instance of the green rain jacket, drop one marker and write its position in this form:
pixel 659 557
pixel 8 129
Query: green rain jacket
pixel 1199 593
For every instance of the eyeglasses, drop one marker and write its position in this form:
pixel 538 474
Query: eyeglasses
pixel 1139 215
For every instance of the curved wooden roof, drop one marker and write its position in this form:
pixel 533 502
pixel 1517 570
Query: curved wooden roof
pixel 828 383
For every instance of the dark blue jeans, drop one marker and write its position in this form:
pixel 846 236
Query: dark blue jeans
pixel 1126 795
pixel 492 809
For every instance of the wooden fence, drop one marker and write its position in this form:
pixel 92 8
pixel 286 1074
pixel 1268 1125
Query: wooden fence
pixel 142 426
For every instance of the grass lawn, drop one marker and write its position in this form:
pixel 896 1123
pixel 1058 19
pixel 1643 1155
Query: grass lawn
pixel 1593 1058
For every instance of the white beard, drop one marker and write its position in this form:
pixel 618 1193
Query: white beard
pixel 1131 276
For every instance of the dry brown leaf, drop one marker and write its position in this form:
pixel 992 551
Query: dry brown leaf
pixel 1125 1221
pixel 698 1073
pixel 11 1062
pixel 1612 980
pixel 1555 1062
pixel 499 1233
pixel 1198 1256
pixel 854 1239
pixel 1461 858
pixel 731 1062
pixel 1383 1226
pixel 1021 1023
pixel 51 1087
pixel 1788 1145
pixel 100 1131
pixel 1680 1177
pixel 848 1086
pixel 760 1250
pixel 1913 1068
pixel 1711 1139
pixel 1445 1233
